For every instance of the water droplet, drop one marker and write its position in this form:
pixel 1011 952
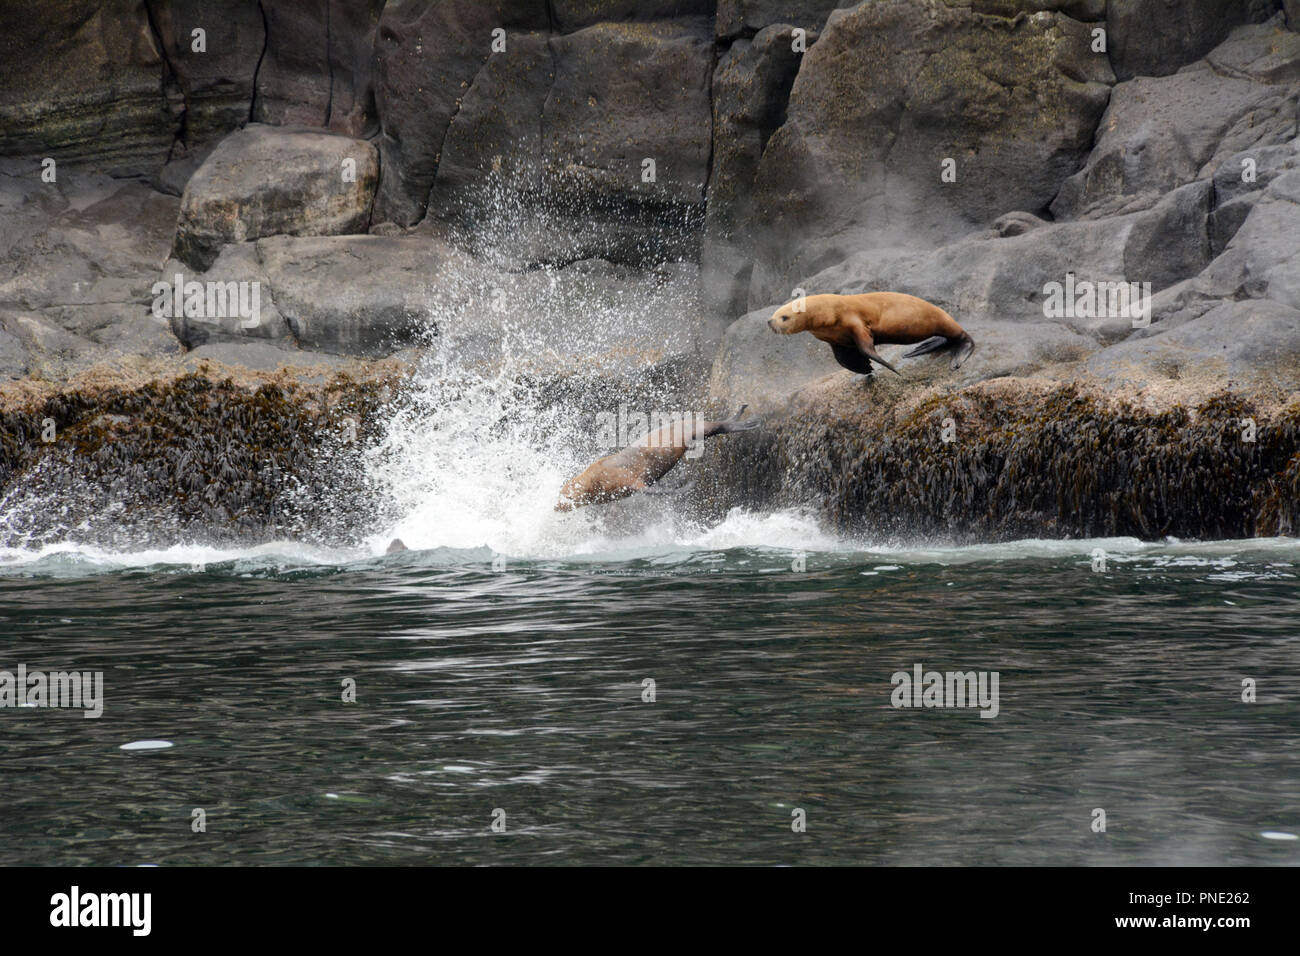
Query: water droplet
pixel 1278 835
pixel 147 745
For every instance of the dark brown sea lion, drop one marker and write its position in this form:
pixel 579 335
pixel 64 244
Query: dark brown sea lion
pixel 854 325
pixel 645 461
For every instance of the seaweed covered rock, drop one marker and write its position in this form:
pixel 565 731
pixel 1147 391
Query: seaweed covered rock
pixel 1014 460
pixel 191 458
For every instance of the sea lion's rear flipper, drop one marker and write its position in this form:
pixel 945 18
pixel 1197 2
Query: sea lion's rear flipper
pixel 932 344
pixel 963 353
pixel 852 359
pixel 732 424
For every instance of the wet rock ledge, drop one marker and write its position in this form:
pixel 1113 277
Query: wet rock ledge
pixel 197 457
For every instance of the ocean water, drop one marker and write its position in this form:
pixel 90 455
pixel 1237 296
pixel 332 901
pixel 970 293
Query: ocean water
pixel 630 684
pixel 516 695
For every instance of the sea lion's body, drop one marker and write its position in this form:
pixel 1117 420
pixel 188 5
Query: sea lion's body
pixel 642 463
pixel 853 325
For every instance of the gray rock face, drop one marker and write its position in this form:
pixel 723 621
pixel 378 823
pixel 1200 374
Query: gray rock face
pixel 751 84
pixel 1156 37
pixel 757 366
pixel 859 161
pixel 207 77
pixel 737 18
pixel 426 57
pixel 318 68
pixel 264 181
pixel 351 295
pixel 1262 260
pixel 77 260
pixel 373 296
pixel 524 168
pixel 14 360
pixel 83 85
pixel 569 15
pixel 1161 133
pixel 589 144
pixel 1251 341
pixel 356 295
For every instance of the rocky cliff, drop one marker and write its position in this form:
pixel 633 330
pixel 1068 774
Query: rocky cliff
pixel 492 174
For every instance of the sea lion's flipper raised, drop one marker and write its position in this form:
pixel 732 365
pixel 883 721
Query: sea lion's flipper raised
pixel 852 359
pixel 932 344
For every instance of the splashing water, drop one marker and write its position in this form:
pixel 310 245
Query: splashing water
pixel 475 459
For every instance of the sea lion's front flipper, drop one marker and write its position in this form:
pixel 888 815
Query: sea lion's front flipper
pixel 932 344
pixel 867 346
pixel 852 359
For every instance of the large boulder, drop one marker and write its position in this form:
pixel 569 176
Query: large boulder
pixel 265 181
pixel 892 89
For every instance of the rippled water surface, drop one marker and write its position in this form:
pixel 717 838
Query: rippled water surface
pixel 521 690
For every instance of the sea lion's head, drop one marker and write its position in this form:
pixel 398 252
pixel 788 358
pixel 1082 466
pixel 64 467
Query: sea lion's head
pixel 790 318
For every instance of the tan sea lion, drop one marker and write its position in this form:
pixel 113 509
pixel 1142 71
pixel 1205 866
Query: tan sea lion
pixel 642 463
pixel 854 325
